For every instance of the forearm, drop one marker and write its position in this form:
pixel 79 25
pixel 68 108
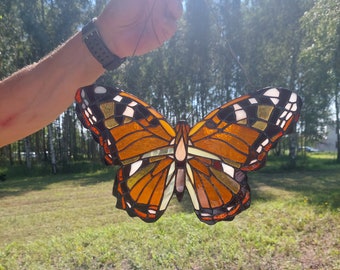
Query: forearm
pixel 34 96
pixel 26 100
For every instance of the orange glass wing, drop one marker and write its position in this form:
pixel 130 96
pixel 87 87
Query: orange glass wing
pixel 126 127
pixel 214 156
pixel 218 191
pixel 230 141
pixel 144 188
pixel 242 131
pixel 136 137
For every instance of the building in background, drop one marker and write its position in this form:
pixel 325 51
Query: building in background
pixel 329 143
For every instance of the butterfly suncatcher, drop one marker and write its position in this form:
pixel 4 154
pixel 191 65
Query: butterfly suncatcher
pixel 209 160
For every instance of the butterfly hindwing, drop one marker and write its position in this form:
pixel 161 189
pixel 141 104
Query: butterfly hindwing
pixel 144 188
pixel 218 191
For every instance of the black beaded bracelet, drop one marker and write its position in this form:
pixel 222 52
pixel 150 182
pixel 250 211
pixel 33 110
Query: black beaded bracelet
pixel 97 47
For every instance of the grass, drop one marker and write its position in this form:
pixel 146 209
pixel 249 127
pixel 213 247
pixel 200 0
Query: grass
pixel 70 222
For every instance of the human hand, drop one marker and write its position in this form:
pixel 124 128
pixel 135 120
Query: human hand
pixel 135 27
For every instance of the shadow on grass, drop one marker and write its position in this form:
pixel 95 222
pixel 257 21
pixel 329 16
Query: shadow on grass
pixel 317 183
pixel 16 185
pixel 315 179
pixel 317 187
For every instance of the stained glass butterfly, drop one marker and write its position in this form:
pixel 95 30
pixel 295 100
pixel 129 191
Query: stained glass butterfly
pixel 209 160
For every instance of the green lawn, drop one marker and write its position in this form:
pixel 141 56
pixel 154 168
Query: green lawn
pixel 70 222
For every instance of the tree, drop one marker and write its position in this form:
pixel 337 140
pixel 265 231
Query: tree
pixel 272 41
pixel 29 30
pixel 223 48
pixel 319 61
pixel 12 41
pixel 229 75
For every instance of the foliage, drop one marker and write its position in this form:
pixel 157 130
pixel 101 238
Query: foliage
pixel 319 81
pixel 223 48
pixel 29 30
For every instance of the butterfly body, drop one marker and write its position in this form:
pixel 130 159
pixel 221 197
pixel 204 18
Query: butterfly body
pixel 209 160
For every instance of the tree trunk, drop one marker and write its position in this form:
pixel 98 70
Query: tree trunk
pixel 10 155
pixel 28 152
pixel 19 152
pixel 66 137
pixel 337 90
pixel 52 151
pixel 337 127
pixel 293 142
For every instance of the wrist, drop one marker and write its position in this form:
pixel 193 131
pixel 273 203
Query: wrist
pixel 95 44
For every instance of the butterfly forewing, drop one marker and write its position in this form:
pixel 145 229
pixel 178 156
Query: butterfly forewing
pixel 126 127
pixel 242 131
